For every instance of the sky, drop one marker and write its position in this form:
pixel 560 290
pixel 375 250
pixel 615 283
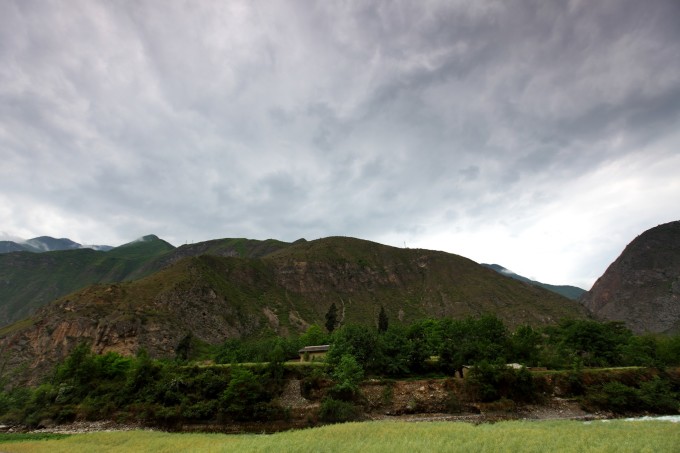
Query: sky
pixel 540 135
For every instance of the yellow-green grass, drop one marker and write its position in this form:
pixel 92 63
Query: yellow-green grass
pixel 17 326
pixel 387 436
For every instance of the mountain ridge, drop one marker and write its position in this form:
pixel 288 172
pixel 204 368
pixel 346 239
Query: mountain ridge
pixel 568 291
pixel 44 244
pixel 30 280
pixel 214 298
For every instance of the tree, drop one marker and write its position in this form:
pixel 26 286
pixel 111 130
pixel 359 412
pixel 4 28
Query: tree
pixel 596 344
pixel 359 341
pixel 313 336
pixel 347 374
pixel 183 348
pixel 79 367
pixel 524 345
pixel 332 318
pixel 382 320
pixel 396 352
pixel 471 340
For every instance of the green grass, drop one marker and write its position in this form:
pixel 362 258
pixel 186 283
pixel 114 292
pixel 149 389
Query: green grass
pixel 394 437
pixel 25 437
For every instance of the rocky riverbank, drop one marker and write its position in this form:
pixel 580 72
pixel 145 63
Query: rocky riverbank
pixel 554 409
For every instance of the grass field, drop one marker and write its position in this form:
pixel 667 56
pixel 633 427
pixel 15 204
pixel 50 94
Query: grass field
pixel 387 436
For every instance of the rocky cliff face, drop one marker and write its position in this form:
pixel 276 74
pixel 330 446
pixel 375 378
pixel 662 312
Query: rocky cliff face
pixel 642 287
pixel 123 318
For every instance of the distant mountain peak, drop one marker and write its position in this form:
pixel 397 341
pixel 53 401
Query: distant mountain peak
pixel 498 268
pixel 144 239
pixel 147 238
pixel 50 244
pixel 571 292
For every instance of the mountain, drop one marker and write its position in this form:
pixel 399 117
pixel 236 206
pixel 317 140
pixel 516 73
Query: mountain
pixel 31 280
pixel 50 244
pixel 46 244
pixel 570 292
pixel 642 286
pixel 11 246
pixel 214 298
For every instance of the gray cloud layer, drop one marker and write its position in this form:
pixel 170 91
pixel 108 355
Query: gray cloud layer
pixel 539 134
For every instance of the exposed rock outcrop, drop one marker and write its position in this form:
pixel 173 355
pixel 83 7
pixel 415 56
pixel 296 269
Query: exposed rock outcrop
pixel 642 287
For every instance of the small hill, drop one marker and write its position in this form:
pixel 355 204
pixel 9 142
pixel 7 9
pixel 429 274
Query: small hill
pixel 568 291
pixel 214 298
pixel 642 286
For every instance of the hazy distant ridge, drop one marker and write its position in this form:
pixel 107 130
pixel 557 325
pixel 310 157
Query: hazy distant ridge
pixel 46 244
pixel 568 291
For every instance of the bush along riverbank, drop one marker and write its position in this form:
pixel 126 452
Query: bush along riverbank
pixel 269 398
pixel 445 369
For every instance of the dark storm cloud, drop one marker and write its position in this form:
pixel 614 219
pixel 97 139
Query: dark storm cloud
pixel 395 121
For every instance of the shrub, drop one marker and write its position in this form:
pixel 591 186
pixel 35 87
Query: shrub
pixel 520 385
pixel 334 411
pixel 501 405
pixel 488 382
pixel 482 382
pixel 312 381
pixel 243 392
pixel 616 397
pixel 201 410
pixel 453 405
pixel 656 395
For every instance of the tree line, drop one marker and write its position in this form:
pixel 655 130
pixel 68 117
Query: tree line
pixel 250 374
pixel 446 345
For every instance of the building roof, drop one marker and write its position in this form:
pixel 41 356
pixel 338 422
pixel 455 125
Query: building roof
pixel 318 348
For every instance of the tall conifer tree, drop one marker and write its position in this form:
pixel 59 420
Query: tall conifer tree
pixel 383 322
pixel 332 318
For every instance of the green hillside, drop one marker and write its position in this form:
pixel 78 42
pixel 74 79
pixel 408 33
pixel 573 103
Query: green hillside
pixel 29 281
pixel 411 283
pixel 213 298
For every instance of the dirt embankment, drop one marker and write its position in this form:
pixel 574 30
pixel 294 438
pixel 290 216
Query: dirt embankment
pixel 445 399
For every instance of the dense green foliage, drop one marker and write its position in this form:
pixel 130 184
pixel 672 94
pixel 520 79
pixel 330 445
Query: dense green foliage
pixel 90 386
pixel 404 351
pixel 656 396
